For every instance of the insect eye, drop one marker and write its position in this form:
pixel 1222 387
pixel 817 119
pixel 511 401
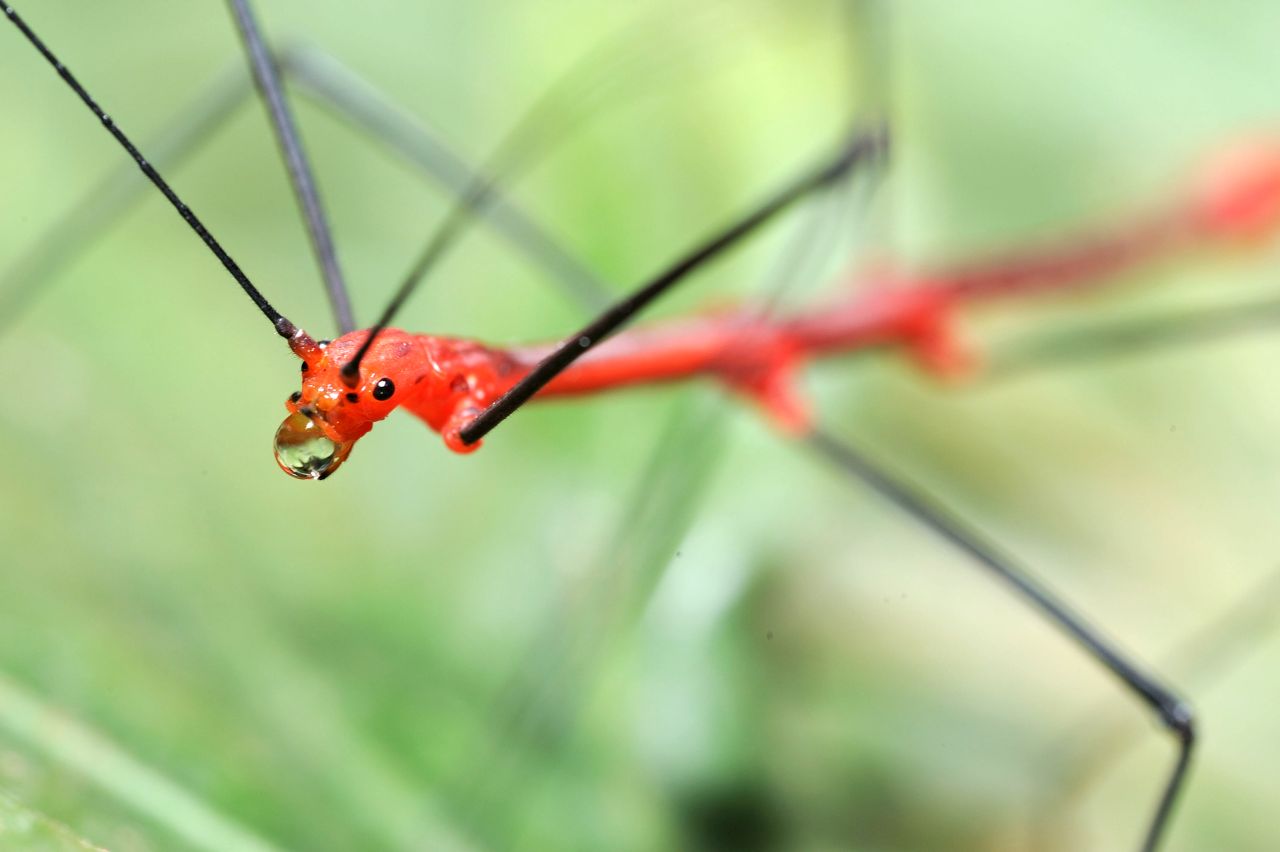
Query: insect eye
pixel 383 389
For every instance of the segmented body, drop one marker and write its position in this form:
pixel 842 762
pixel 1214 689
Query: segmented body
pixel 448 382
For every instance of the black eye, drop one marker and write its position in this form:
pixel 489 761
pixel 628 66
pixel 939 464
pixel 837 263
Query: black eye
pixel 383 389
pixel 295 396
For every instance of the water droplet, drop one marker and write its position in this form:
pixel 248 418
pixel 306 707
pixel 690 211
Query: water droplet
pixel 304 452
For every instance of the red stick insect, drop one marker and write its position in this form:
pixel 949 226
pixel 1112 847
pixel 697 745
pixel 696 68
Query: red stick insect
pixel 463 389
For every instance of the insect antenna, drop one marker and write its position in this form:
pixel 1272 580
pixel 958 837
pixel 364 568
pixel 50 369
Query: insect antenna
pixel 523 146
pixel 283 326
pixel 266 75
pixel 101 205
pixel 1174 712
pixel 348 97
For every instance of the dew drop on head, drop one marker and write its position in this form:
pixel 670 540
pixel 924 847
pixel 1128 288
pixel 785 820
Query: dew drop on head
pixel 303 451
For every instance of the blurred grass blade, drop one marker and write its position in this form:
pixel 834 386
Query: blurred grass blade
pixel 68 741
pixel 23 828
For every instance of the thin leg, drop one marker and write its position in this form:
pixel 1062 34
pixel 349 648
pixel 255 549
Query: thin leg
pixel 62 243
pixel 859 148
pixel 267 78
pixel 336 88
pixel 1172 710
pixel 1131 337
pixel 1206 656
pixel 525 144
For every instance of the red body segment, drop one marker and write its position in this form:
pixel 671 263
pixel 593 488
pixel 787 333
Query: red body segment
pixel 447 382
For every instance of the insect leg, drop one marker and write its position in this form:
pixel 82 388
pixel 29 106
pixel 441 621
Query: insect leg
pixel 335 87
pixel 530 141
pixel 1173 711
pixel 859 148
pixel 97 209
pixel 267 77
pixel 1202 658
pixel 1134 337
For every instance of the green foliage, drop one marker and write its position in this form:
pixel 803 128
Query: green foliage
pixel 642 621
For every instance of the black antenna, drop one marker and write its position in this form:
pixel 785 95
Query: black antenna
pixel 267 77
pixel 99 206
pixel 478 194
pixel 523 146
pixel 283 326
pixel 860 146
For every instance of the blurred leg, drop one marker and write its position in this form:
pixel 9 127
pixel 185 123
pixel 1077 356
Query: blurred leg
pixel 1172 710
pixel 334 87
pixel 63 242
pixel 266 76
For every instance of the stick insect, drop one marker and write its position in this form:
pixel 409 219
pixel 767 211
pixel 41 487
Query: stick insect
pixel 307 557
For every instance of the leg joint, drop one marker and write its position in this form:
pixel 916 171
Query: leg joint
pixel 1178 716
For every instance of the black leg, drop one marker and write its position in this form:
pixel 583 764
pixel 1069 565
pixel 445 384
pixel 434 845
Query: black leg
pixel 1172 710
pixel 860 148
pixel 352 99
pixel 1202 658
pixel 267 78
pixel 331 86
pixel 1136 336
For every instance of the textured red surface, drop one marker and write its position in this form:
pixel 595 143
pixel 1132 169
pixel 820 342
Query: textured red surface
pixel 448 381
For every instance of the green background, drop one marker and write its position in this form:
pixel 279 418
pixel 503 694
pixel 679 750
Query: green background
pixel 645 620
